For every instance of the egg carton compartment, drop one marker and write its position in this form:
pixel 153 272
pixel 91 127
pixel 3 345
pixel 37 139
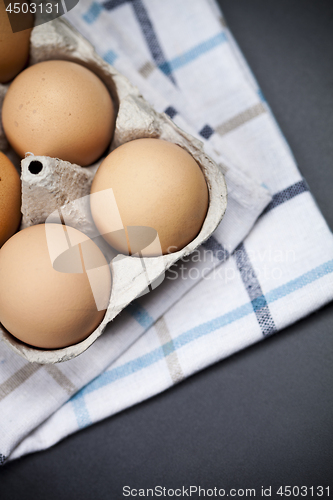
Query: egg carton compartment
pixel 51 184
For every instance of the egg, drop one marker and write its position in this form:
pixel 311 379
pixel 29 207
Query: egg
pixel 14 47
pixel 156 184
pixel 55 286
pixel 10 199
pixel 59 109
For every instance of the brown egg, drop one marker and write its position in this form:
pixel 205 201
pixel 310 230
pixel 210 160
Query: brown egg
pixel 156 184
pixel 59 109
pixel 10 199
pixel 14 47
pixel 52 306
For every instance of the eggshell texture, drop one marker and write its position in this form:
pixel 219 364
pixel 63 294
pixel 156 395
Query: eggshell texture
pixel 10 199
pixel 59 109
pixel 156 184
pixel 45 307
pixel 14 47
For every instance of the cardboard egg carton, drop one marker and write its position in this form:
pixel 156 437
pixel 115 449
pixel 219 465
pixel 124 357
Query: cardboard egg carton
pixel 50 184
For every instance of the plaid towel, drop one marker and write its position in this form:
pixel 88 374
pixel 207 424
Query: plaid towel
pixel 246 283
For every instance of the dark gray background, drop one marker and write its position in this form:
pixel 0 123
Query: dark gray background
pixel 263 417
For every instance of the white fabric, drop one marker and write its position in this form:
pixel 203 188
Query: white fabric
pixel 182 57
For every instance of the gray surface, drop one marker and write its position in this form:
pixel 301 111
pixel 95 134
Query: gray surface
pixel 264 417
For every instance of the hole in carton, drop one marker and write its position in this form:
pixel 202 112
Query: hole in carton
pixel 35 167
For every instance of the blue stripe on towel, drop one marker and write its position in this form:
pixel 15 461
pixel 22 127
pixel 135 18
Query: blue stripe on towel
pixel 171 112
pixel 92 13
pixel 147 29
pixel 192 54
pixel 150 36
pixel 287 194
pixel 110 57
pixel 113 4
pixel 216 248
pixel 140 314
pixel 254 291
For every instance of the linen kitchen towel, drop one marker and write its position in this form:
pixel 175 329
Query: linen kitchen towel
pixel 247 282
